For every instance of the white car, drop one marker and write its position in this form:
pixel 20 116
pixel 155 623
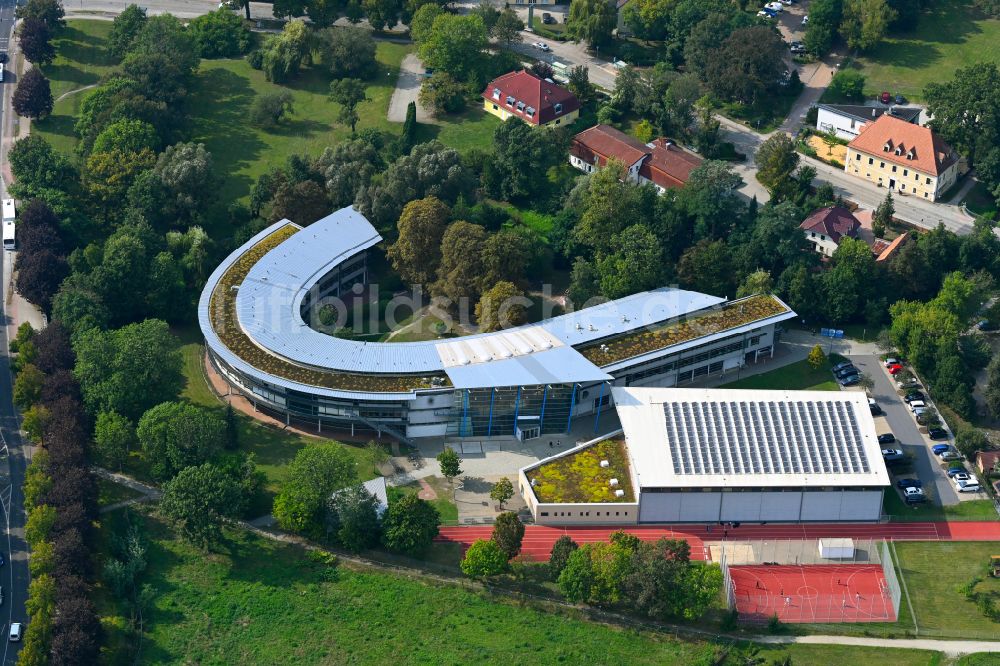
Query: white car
pixel 542 46
pixel 966 484
pixel 774 6
pixel 917 405
pixel 805 20
pixel 764 14
pixel 15 632
pixel 890 361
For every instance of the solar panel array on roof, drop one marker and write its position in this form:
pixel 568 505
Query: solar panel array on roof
pixel 764 437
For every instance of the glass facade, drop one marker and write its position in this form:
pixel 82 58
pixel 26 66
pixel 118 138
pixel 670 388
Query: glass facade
pixel 498 411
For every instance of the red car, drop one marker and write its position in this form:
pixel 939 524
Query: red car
pixel 895 368
pixel 885 98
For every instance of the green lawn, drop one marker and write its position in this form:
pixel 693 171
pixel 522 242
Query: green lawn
pixel 798 376
pixel 951 34
pixel 444 503
pixel 979 201
pixel 933 571
pixel 109 492
pixel 262 602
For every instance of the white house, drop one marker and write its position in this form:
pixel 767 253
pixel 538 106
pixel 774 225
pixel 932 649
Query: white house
pixel 847 120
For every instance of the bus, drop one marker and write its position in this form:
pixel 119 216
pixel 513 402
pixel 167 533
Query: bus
pixel 9 238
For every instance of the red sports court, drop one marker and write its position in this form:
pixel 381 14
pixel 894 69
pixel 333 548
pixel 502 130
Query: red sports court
pixel 812 593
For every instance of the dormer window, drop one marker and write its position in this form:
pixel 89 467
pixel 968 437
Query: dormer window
pixel 530 111
pixel 911 154
pixel 510 100
pixel 888 146
pixel 557 108
pixel 899 150
pixel 520 106
pixel 496 93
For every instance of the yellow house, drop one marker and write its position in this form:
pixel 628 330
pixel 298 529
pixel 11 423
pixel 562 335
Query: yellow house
pixel 906 158
pixel 535 101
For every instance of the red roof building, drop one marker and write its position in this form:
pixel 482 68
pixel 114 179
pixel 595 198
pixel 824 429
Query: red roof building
pixel 659 162
pixel 825 227
pixel 535 101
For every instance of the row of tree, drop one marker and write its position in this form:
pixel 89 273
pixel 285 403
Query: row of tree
pixel 61 504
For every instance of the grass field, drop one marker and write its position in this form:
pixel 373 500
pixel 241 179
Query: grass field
pixel 262 602
pixel 950 35
pixel 444 504
pixel 798 376
pixel 223 91
pixel 894 506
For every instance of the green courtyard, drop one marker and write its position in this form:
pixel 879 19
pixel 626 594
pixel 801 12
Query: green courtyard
pixel 951 34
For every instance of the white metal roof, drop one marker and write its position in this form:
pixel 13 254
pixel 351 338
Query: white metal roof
pixel 687 438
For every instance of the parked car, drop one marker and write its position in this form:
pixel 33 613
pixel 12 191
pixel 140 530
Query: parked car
pixel 913 396
pixel 850 380
pixel 841 365
pixel 15 632
pixel 885 97
pixel 948 456
pixel 909 383
pixel 774 6
pixel 937 433
pixel 900 99
pixel 875 409
pixel 917 404
pixel 902 484
pixel 893 455
pixel 926 417
pixel 914 495
pixel 890 361
pixel 788 3
pixel 542 46
pixel 887 438
pixel 849 370
pixel 986 325
pixel 766 13
pixel 956 471
pixel 548 19
pixel 938 449
pixel 805 20
pixel 797 49
pixel 895 369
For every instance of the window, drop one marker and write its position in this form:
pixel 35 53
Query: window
pixel 906 172
pixel 557 108
pixel 925 195
pixel 894 168
pixel 545 513
pixel 871 160
pixel 530 111
pixel 496 108
pixel 510 100
pixel 881 165
pixel 496 93
pixel 928 181
pixel 902 188
pixel 520 106
pixel 558 120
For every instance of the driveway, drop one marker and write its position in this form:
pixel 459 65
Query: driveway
pixel 901 424
pixel 411 75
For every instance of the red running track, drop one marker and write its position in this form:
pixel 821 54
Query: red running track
pixel 538 539
pixel 812 593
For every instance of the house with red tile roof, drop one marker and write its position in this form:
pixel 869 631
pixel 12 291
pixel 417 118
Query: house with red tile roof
pixel 660 162
pixel 906 158
pixel 987 460
pixel 536 101
pixel 827 226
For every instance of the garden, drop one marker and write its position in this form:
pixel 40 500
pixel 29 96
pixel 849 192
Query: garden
pixel 580 476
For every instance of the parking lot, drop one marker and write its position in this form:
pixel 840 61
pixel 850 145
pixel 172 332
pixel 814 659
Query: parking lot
pixel 898 420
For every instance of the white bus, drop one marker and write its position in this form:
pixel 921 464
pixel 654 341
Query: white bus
pixel 9 239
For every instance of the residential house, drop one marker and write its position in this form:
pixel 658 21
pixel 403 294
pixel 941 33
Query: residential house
pixel 848 120
pixel 986 461
pixel 536 101
pixel 906 158
pixel 827 226
pixel 659 162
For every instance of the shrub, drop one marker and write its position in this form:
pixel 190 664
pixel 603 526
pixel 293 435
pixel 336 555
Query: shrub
pixel 443 94
pixel 220 34
pixel 268 109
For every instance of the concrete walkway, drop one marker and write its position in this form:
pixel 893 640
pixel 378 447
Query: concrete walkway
pixel 411 75
pixel 949 648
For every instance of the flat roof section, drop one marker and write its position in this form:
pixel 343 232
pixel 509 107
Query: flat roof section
pixel 578 476
pixel 711 438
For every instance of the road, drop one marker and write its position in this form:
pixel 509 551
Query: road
pixel 897 415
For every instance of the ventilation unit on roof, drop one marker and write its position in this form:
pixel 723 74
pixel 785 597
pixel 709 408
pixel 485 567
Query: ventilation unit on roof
pixel 579 326
pixel 619 493
pixel 591 327
pixel 605 349
pixel 605 463
pixel 612 482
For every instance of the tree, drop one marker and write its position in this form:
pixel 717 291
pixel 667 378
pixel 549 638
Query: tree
pixel 591 21
pixel 108 176
pixel 443 93
pixel 502 491
pixel 353 516
pixel 502 306
pixel 49 11
pixel 198 499
pixel 824 20
pixel 816 357
pixel 27 386
pixel 648 19
pixel 451 463
pixel 33 37
pixel 484 559
pixel 33 96
pixel 747 64
pixel 416 253
pixel 578 83
pixel 710 196
pixel 313 475
pixel 520 153
pixel 707 267
pixel 847 85
pixel 302 203
pixel 39 275
pixel 865 22
pixel 962 110
pixel 348 93
pixel 382 13
pixel 38 168
pixel 347 52
pixel 584 283
pixel 776 161
pixel 127 136
pixel 176 435
pixel 423 21
pixel 347 167
pixel 130 369
pixel 459 271
pixel 970 440
pixel 848 284
pixel 282 55
pixel 268 109
pixel 508 531
pixel 559 557
pixel 758 282
pixel 187 172
pixel 610 204
pixel 114 436
pixel 633 264
pixel 220 34
pixel 377 455
pixel 124 30
pixel 409 525
pixel 409 135
pixel 882 217
pixel 456 45
pixel 507 28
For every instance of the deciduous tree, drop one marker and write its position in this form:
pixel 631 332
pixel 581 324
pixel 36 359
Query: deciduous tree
pixel 114 436
pixel 484 559
pixel 502 306
pixel 197 500
pixel 776 161
pixel 348 93
pixel 459 275
pixel 409 525
pixel 456 45
pixel 508 531
pixel 591 21
pixel 34 38
pixel 176 435
pixel 747 64
pixel 502 491
pixel 124 30
pixel 33 96
pixel 347 52
pixel 313 475
pixel 507 28
pixel 450 462
pixel 353 518
pixel 865 22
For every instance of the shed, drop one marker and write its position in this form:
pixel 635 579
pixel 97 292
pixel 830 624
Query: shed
pixel 836 549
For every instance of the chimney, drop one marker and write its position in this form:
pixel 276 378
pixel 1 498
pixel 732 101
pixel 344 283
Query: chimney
pixel 873 112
